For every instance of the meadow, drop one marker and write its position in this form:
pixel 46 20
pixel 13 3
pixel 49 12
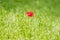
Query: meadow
pixel 16 25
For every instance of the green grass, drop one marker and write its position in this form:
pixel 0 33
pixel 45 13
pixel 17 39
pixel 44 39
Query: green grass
pixel 16 25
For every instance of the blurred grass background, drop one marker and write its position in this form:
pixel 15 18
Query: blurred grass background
pixel 15 25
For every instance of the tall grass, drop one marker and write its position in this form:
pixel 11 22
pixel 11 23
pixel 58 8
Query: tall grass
pixel 16 25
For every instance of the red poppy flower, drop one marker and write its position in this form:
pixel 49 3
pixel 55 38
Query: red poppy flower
pixel 30 14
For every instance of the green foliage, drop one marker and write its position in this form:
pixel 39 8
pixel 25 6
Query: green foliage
pixel 15 25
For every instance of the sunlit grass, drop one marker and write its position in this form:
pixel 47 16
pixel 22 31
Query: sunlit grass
pixel 16 25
